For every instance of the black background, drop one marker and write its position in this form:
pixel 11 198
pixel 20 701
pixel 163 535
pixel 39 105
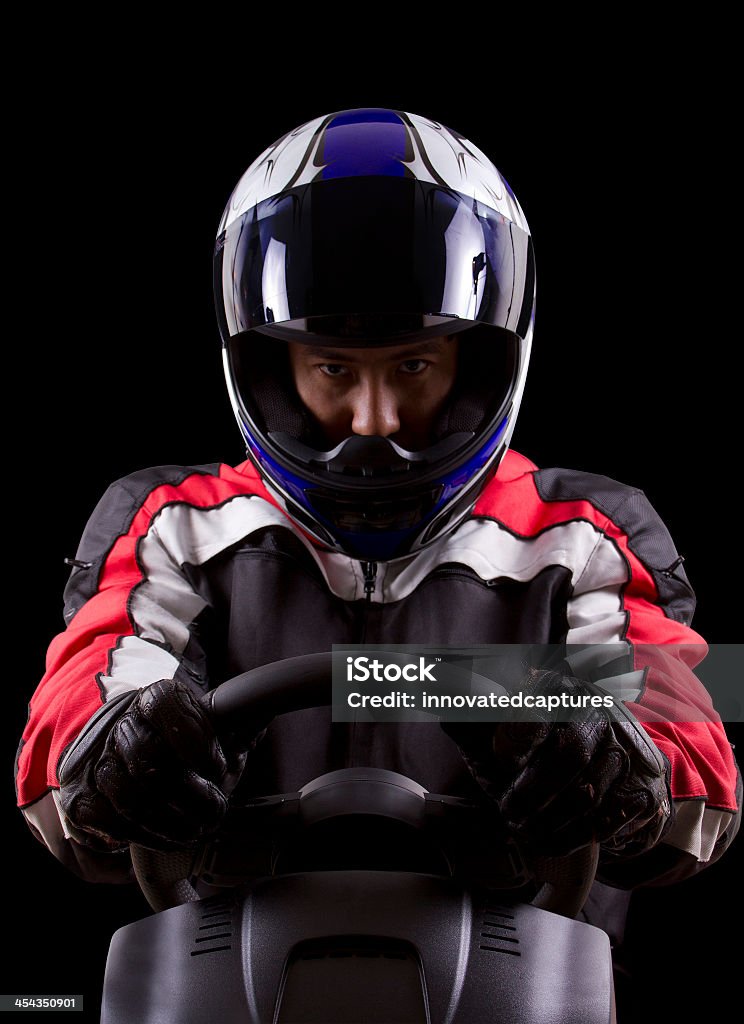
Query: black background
pixel 123 169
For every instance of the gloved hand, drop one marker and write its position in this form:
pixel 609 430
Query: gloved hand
pixel 561 785
pixel 150 770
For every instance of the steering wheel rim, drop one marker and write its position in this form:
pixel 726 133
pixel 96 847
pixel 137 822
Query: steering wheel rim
pixel 298 683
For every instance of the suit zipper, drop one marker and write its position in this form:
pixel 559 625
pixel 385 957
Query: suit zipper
pixel 369 570
pixel 370 578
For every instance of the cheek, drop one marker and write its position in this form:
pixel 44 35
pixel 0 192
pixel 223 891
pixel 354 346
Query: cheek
pixel 431 394
pixel 442 389
pixel 308 390
pixel 322 398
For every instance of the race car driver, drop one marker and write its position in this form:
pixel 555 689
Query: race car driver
pixel 374 282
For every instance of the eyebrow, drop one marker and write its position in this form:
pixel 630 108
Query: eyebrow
pixel 346 355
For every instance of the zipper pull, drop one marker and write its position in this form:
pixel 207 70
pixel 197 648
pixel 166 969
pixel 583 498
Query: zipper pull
pixel 77 564
pixel 370 578
pixel 669 571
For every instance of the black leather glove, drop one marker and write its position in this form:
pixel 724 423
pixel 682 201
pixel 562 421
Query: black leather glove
pixel 562 785
pixel 150 770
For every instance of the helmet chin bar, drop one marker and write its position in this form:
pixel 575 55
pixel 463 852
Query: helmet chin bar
pixel 445 520
pixel 370 456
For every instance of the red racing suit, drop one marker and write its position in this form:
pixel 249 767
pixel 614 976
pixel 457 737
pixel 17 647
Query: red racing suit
pixel 197 570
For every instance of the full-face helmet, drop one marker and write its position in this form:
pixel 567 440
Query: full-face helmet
pixel 374 227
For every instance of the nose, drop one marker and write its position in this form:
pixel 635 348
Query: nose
pixel 375 409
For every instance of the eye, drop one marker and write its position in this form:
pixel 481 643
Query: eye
pixel 332 369
pixel 413 366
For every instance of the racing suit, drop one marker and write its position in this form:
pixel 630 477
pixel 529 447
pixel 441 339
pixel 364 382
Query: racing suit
pixel 197 572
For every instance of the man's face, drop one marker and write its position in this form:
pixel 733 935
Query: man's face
pixel 391 392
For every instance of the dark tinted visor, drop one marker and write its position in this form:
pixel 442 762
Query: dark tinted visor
pixel 372 246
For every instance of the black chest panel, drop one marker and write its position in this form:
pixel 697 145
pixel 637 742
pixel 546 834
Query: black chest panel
pixel 267 600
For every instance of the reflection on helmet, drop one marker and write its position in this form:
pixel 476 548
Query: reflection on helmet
pixel 374 227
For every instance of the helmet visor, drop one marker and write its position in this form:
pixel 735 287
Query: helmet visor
pixel 369 260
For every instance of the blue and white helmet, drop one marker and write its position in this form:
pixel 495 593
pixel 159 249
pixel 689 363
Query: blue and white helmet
pixel 374 227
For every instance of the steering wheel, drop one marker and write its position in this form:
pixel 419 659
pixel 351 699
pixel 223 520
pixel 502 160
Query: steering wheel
pixel 294 684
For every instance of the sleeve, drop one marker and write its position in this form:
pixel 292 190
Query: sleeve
pixel 130 613
pixel 636 564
